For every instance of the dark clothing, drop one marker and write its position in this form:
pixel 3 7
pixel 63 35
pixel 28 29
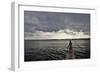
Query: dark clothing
pixel 71 52
pixel 70 45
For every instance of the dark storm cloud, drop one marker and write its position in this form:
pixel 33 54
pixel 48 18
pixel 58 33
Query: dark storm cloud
pixel 53 21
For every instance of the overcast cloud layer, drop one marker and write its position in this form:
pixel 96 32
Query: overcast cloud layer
pixel 55 25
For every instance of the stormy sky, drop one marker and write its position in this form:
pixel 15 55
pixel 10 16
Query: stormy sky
pixel 56 25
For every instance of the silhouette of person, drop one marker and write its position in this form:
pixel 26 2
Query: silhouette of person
pixel 71 52
pixel 70 45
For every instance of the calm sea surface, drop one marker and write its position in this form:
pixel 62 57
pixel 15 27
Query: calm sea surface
pixel 41 50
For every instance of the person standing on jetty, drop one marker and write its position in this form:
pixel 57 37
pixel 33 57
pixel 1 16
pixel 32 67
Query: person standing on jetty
pixel 70 50
pixel 70 45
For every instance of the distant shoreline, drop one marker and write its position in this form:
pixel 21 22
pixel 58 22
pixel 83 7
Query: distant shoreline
pixel 56 39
